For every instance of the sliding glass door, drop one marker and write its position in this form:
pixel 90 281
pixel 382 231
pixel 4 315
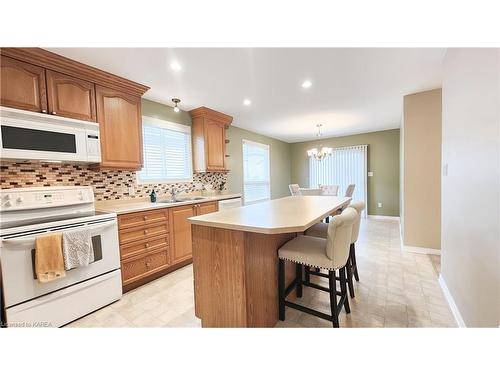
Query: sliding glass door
pixel 346 165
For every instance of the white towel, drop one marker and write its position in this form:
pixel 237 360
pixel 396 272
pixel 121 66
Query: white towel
pixel 77 249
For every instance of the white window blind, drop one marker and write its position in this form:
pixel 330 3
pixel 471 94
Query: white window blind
pixel 346 165
pixel 256 177
pixel 167 152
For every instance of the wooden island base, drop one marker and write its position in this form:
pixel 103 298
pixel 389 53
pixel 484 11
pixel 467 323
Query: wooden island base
pixel 236 276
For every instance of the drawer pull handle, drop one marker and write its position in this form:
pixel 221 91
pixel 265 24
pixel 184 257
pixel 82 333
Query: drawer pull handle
pixel 147 244
pixel 148 264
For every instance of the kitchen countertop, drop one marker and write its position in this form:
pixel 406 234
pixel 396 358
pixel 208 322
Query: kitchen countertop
pixel 123 206
pixel 284 215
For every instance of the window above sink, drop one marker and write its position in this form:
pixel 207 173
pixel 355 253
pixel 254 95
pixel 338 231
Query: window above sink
pixel 166 152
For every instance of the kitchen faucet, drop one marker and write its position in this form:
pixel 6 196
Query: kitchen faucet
pixel 173 193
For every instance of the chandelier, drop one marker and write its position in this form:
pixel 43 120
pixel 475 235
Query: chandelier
pixel 320 152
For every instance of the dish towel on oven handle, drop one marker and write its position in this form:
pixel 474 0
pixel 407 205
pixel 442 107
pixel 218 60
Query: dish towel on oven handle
pixel 77 249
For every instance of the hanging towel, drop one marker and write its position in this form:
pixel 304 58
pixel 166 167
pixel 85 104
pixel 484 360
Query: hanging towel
pixel 49 262
pixel 77 249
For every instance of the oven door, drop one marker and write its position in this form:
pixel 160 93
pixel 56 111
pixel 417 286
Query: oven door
pixel 17 259
pixel 29 140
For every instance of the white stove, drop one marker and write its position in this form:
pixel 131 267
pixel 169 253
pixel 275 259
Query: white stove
pixel 29 212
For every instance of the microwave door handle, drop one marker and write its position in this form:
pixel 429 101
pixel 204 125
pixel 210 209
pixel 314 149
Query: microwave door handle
pixel 31 239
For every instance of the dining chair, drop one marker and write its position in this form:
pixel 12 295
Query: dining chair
pixel 294 189
pixel 321 230
pixel 310 191
pixel 329 189
pixel 330 253
pixel 350 190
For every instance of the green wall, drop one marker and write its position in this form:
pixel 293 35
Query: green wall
pixel 279 153
pixel 164 112
pixel 289 163
pixel 383 161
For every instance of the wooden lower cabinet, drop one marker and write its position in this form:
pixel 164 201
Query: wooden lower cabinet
pixel 141 266
pixel 206 208
pixel 181 232
pixel 155 242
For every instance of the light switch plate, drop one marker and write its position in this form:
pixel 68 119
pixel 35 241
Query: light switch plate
pixel 370 174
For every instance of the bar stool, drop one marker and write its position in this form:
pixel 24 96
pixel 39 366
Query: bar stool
pixel 321 230
pixel 329 253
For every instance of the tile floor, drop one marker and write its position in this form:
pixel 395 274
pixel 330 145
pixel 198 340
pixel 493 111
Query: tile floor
pixel 396 289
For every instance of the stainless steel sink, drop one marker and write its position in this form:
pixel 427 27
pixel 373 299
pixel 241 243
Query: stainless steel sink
pixel 183 199
pixel 187 199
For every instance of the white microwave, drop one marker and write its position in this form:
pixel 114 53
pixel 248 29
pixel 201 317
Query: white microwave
pixel 26 135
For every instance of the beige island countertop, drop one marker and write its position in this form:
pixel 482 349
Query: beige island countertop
pixel 123 206
pixel 284 215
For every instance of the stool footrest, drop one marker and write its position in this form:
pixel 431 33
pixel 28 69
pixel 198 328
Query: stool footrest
pixel 319 287
pixel 319 314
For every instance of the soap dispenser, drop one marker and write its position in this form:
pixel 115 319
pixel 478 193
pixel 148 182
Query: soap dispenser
pixel 152 196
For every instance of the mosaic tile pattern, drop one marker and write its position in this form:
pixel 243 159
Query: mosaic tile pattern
pixel 396 289
pixel 108 184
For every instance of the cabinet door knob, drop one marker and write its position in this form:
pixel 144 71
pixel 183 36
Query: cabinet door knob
pixel 145 232
pixel 147 244
pixel 44 111
pixel 148 264
pixel 54 112
pixel 145 217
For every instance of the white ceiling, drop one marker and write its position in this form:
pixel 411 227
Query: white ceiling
pixel 353 90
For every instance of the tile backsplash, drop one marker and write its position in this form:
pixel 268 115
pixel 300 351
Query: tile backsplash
pixel 108 184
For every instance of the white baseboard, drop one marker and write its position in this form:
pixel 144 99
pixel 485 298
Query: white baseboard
pixel 382 217
pixel 420 250
pixel 451 302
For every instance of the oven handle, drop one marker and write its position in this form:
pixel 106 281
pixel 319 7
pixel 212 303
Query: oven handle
pixel 32 238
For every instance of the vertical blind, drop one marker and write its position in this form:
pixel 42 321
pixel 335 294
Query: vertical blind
pixel 167 152
pixel 256 176
pixel 346 165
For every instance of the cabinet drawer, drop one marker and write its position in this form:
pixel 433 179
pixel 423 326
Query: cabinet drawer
pixel 136 268
pixel 146 245
pixel 132 235
pixel 142 218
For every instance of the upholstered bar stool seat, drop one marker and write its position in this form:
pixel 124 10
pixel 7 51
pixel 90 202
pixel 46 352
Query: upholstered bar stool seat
pixel 330 253
pixel 318 230
pixel 321 230
pixel 308 251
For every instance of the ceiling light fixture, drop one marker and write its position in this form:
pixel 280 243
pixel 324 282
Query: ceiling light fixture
pixel 247 102
pixel 306 84
pixel 176 102
pixel 175 66
pixel 320 152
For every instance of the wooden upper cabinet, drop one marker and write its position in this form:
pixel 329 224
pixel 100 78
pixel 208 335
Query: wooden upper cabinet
pixel 119 116
pixel 70 97
pixel 22 85
pixel 209 139
pixel 215 135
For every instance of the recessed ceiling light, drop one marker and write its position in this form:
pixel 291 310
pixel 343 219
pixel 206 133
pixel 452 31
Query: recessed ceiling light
pixel 175 66
pixel 247 102
pixel 306 84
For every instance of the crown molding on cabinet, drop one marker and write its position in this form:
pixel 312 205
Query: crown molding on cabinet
pixel 52 61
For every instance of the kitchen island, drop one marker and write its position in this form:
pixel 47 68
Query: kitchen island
pixel 235 257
